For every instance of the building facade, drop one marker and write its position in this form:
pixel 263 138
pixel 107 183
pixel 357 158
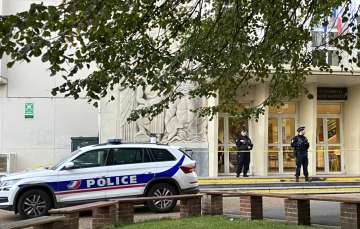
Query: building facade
pixel 331 118
pixel 332 127
pixel 36 129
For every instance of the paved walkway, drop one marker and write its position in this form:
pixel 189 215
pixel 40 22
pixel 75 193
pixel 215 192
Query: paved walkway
pixel 323 213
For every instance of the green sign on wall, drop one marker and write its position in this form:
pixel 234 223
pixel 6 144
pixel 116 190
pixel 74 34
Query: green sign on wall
pixel 29 110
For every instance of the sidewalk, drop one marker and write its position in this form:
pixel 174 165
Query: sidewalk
pixel 317 184
pixel 276 179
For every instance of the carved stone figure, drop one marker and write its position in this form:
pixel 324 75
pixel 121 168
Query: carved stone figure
pixel 181 124
pixel 145 97
pixel 126 105
pixel 176 124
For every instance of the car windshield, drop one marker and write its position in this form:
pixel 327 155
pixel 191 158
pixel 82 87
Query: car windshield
pixel 65 159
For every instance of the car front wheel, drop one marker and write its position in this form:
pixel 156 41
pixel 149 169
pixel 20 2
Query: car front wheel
pixel 34 203
pixel 158 190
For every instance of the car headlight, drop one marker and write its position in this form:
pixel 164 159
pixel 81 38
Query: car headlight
pixel 5 183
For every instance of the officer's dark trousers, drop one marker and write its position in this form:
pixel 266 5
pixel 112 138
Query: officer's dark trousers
pixel 302 160
pixel 243 159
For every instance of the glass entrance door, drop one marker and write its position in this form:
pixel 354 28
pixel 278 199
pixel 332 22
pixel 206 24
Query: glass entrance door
pixel 329 157
pixel 229 129
pixel 281 158
pixel 281 129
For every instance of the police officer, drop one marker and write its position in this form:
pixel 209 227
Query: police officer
pixel 301 146
pixel 244 145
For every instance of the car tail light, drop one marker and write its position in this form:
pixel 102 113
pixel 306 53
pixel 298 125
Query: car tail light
pixel 188 168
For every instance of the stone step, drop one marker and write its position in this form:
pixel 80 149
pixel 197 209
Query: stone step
pixel 267 180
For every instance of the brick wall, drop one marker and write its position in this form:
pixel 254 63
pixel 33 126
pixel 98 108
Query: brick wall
pixel 297 211
pixel 125 213
pixel 190 207
pixel 103 217
pixel 212 204
pixel 251 207
pixel 71 220
pixel 349 216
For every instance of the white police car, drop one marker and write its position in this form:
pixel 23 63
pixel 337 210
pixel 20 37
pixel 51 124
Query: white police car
pixel 101 172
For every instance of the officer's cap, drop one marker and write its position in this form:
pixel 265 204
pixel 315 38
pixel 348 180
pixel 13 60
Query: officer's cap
pixel 301 128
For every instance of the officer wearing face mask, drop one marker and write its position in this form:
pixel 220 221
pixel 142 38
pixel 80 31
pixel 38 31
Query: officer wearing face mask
pixel 301 145
pixel 244 145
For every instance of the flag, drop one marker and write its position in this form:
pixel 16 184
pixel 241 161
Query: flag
pixel 334 12
pixel 339 25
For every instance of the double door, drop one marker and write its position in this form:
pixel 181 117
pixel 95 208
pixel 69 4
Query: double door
pixel 281 129
pixel 329 154
pixel 229 129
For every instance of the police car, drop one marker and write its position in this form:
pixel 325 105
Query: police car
pixel 100 172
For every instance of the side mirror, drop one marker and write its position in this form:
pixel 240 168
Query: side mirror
pixel 69 165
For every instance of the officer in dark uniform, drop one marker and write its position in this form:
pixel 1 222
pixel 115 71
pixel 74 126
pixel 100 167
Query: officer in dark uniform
pixel 301 146
pixel 244 145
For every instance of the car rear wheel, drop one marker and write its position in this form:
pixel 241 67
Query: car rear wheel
pixel 161 189
pixel 34 203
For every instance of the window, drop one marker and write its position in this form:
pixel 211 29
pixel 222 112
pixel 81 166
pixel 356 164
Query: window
pixel 329 108
pixel 286 108
pixel 3 163
pixel 122 156
pixel 162 155
pixel 188 152
pixel 89 159
pixel 333 58
pixel 318 38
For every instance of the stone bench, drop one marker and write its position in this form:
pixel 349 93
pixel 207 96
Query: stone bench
pixel 190 205
pixel 251 205
pixel 44 222
pixel 121 211
pixel 103 214
pixel 297 206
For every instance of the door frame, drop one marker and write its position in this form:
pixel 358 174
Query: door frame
pixel 326 145
pixel 227 144
pixel 280 144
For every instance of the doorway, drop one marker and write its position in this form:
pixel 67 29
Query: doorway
pixel 281 129
pixel 329 153
pixel 229 128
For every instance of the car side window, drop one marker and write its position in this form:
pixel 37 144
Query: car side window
pixel 162 155
pixel 94 158
pixel 122 156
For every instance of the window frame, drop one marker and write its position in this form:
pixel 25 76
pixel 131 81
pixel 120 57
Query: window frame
pixel 93 150
pixel 143 151
pixel 153 157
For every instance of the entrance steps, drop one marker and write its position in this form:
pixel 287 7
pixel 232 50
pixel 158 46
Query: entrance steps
pixel 317 184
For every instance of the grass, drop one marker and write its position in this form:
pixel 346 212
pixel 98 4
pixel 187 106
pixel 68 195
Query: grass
pixel 209 222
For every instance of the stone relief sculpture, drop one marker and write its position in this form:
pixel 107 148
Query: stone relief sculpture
pixel 180 121
pixel 146 97
pixel 126 105
pixel 176 124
